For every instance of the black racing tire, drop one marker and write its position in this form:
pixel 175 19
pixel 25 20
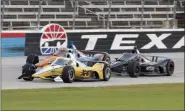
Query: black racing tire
pixel 68 74
pixel 107 58
pixel 106 72
pixel 27 71
pixel 170 66
pixel 32 59
pixel 133 69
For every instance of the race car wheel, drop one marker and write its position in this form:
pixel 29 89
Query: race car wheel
pixel 133 69
pixel 27 72
pixel 170 67
pixel 68 74
pixel 32 59
pixel 107 59
pixel 106 73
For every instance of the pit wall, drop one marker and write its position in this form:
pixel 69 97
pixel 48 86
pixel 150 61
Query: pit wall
pixel 22 43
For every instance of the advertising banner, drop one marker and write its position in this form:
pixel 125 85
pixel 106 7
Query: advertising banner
pixel 53 36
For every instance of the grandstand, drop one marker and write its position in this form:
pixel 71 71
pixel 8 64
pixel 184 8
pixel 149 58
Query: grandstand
pixel 92 14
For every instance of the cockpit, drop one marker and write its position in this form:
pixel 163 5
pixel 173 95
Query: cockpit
pixel 127 56
pixel 131 56
pixel 61 61
pixel 62 52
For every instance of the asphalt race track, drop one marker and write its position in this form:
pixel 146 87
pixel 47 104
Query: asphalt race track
pixel 11 69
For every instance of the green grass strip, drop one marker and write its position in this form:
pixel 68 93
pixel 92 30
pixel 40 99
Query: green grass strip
pixel 132 97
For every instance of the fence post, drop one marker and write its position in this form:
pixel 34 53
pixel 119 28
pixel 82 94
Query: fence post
pixel 166 23
pixel 174 13
pixel 167 18
pixel 38 16
pixel 2 15
pixel 108 23
pixel 74 15
pixel 103 19
pixel 142 11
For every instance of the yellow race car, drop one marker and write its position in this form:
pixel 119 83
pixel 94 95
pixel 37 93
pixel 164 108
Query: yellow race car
pixel 68 69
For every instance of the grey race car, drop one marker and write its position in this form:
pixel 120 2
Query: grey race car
pixel 136 64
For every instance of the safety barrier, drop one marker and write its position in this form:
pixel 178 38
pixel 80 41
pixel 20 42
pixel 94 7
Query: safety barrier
pixel 53 36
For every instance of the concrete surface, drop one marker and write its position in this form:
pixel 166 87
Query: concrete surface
pixel 11 69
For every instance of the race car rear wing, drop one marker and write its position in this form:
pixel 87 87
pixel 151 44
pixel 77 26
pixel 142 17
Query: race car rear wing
pixel 155 58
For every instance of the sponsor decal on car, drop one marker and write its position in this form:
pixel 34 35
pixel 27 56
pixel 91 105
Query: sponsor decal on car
pixel 150 68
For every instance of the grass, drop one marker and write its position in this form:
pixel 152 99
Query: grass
pixel 133 97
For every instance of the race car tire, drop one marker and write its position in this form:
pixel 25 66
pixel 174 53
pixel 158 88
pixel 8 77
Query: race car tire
pixel 27 72
pixel 133 69
pixel 106 73
pixel 170 67
pixel 68 74
pixel 32 59
pixel 107 59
